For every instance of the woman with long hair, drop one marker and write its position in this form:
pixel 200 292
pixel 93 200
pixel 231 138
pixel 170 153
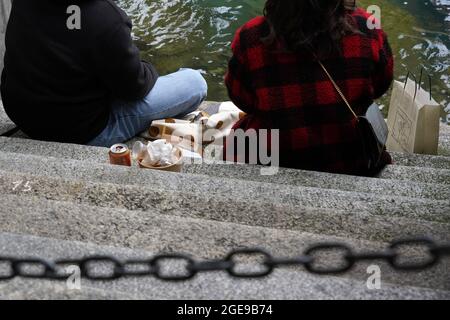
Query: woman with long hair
pixel 275 76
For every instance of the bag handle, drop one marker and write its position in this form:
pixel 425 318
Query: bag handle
pixel 429 82
pixel 338 90
pixel 416 86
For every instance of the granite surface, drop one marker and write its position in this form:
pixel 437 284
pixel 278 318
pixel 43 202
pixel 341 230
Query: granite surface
pixel 283 284
pixel 5 123
pixel 359 223
pixel 71 202
pixel 417 174
pixel 201 238
pixel 391 185
pixel 143 188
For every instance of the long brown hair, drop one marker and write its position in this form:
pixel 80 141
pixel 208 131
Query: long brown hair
pixel 317 25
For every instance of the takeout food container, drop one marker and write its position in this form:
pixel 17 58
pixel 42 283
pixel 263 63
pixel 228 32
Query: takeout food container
pixel 176 167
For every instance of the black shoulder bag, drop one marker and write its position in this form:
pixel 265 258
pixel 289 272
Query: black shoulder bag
pixel 372 128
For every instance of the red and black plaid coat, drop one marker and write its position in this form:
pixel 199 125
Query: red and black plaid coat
pixel 290 92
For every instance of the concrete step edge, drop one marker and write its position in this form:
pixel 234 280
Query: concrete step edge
pixel 359 224
pixel 121 178
pixel 297 178
pixel 99 154
pixel 287 178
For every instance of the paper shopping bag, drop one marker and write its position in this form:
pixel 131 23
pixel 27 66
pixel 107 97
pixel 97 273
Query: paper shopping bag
pixel 413 121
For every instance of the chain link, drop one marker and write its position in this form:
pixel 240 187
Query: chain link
pixel 190 271
pixel 88 272
pixel 426 263
pixel 266 269
pixel 10 273
pixel 346 266
pixel 113 268
pixel 47 268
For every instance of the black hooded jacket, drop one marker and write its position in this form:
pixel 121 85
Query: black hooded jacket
pixel 58 80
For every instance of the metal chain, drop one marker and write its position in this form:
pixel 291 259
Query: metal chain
pixel 54 270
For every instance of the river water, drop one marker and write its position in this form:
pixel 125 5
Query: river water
pixel 198 33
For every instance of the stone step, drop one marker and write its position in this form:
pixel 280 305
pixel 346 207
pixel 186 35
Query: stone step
pixel 444 140
pixel 199 237
pixel 97 154
pixel 292 177
pixel 421 160
pixel 54 149
pixel 246 172
pixel 417 174
pixel 5 123
pixel 23 289
pixel 444 147
pixel 134 183
pixel 285 176
pixel 445 130
pixel 282 284
pixel 369 222
pixel 412 168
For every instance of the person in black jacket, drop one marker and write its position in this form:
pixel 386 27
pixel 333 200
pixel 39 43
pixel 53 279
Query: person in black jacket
pixel 80 79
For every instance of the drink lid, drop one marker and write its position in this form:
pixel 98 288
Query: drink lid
pixel 119 148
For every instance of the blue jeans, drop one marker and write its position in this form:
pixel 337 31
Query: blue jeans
pixel 173 95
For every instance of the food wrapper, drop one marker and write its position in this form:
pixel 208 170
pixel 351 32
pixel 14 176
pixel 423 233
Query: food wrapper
pixel 159 153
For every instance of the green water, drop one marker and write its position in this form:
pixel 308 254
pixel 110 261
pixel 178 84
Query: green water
pixel 198 33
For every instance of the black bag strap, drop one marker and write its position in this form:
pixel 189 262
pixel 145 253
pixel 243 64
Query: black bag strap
pixel 338 90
